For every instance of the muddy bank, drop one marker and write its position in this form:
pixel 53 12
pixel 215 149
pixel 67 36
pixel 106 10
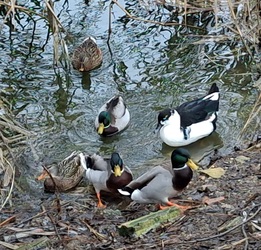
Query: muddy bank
pixel 225 215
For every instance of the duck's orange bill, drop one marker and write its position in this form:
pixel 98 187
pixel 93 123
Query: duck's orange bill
pixel 42 176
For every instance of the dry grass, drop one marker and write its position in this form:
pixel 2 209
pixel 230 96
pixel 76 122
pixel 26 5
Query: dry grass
pixel 60 51
pixel 12 134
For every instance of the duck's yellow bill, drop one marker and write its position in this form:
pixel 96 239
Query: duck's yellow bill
pixel 100 128
pixel 192 165
pixel 117 170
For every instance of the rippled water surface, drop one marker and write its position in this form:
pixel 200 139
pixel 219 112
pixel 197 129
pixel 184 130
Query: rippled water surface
pixel 151 66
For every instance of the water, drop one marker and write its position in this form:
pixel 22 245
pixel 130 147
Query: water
pixel 151 66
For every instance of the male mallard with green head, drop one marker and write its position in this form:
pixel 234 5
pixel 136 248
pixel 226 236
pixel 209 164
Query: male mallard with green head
pixel 113 117
pixel 162 183
pixel 106 174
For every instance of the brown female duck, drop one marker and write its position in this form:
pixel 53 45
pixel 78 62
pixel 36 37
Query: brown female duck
pixel 87 56
pixel 66 174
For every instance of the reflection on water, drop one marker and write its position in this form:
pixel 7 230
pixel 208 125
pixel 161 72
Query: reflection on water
pixel 151 66
pixel 199 149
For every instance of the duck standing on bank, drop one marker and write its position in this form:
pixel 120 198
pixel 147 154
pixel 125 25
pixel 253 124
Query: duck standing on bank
pixel 113 117
pixel 87 56
pixel 162 182
pixel 66 174
pixel 106 174
pixel 190 121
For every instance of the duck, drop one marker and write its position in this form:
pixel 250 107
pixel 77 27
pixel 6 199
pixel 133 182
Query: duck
pixel 61 184
pixel 113 117
pixel 87 56
pixel 162 182
pixel 107 174
pixel 191 121
pixel 66 174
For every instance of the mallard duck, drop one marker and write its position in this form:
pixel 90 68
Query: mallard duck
pixel 66 174
pixel 190 121
pixel 106 174
pixel 113 117
pixel 61 184
pixel 162 182
pixel 87 56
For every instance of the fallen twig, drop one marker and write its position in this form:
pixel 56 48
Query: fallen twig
pixel 56 190
pixel 244 231
pixel 54 225
pixel 8 220
pixel 92 230
pixel 8 245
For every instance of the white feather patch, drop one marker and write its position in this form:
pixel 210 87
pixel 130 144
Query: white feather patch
pixel 212 97
pixel 123 192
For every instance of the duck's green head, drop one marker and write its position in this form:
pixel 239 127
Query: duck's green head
pixel 116 164
pixel 104 120
pixel 180 157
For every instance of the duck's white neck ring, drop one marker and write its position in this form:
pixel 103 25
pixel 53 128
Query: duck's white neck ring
pixel 177 169
pixel 107 126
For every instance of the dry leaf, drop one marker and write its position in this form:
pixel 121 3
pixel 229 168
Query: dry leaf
pixel 213 172
pixel 8 175
pixel 242 159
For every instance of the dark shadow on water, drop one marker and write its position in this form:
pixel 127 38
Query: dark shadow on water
pixel 86 80
pixel 199 149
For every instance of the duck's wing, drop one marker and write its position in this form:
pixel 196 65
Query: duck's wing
pixel 96 162
pixel 198 110
pixel 70 166
pixel 146 178
pixel 61 184
pixel 97 170
pixel 116 107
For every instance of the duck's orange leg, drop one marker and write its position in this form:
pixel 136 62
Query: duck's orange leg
pixel 100 204
pixel 171 204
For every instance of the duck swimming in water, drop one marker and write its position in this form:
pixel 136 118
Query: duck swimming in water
pixel 113 117
pixel 87 56
pixel 190 121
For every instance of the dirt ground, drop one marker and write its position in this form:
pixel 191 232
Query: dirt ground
pixel 225 215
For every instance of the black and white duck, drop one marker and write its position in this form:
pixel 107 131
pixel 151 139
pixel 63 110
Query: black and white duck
pixel 190 121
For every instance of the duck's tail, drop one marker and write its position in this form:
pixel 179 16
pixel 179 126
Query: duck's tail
pixel 214 88
pixel 213 99
pixel 83 161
